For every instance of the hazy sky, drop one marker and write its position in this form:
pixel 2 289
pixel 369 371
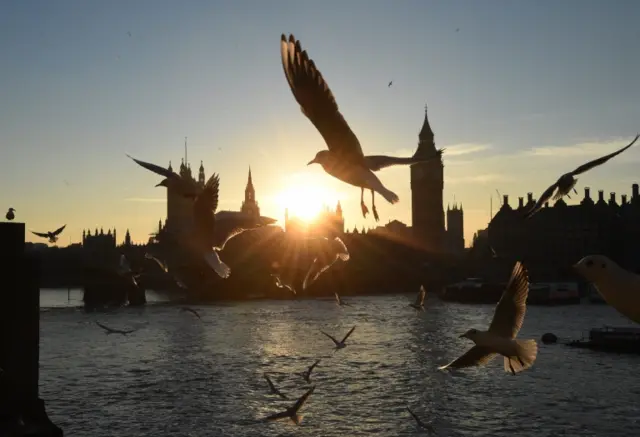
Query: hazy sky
pixel 521 93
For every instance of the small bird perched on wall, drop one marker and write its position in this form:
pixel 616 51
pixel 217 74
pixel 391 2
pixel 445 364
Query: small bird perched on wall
pixel 620 288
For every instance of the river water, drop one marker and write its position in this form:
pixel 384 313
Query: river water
pixel 180 376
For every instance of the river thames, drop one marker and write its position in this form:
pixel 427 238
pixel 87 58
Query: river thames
pixel 181 376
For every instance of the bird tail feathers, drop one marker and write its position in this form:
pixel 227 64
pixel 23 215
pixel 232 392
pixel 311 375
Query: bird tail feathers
pixel 213 260
pixel 389 195
pixel 527 353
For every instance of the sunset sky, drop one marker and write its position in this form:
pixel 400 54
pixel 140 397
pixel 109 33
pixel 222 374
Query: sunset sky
pixel 522 92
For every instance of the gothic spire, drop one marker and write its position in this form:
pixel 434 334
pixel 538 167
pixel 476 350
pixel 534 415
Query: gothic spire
pixel 250 181
pixel 426 139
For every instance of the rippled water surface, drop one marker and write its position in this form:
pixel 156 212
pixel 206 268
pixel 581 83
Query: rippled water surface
pixel 180 376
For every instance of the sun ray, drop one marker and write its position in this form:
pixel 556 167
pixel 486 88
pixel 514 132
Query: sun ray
pixel 304 196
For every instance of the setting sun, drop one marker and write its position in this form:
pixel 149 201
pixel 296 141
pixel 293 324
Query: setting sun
pixel 305 197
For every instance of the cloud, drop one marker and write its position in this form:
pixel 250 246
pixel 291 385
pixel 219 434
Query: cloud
pixel 580 149
pixel 145 199
pixel 466 148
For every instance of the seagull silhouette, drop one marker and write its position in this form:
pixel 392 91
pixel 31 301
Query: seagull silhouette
pixel 172 181
pixel 340 344
pixel 273 388
pixel 192 311
pixel 420 423
pixel 567 181
pixel 160 264
pixel 419 303
pixel 115 331
pixel 52 236
pixel 390 83
pixel 307 373
pixel 280 284
pixel 344 160
pixel 327 253
pixel 292 412
pixel 501 339
pixel 10 214
pixel 340 302
pixel 124 270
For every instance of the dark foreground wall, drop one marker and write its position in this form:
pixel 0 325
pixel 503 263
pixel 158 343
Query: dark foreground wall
pixel 22 412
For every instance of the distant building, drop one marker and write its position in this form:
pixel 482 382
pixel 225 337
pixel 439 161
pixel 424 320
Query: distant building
pixel 328 223
pixel 394 230
pixel 250 204
pixel 455 229
pixel 555 238
pixel 99 241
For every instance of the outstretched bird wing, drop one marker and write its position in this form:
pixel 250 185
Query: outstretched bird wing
pixel 106 328
pixel 509 314
pixel 600 161
pixel 59 230
pixel 204 209
pixel 300 402
pixel 156 168
pixel 331 337
pixel 40 234
pixel 544 198
pixel 348 334
pixel 223 239
pixel 316 269
pixel 378 162
pixel 317 101
pixel 476 356
pixel 421 295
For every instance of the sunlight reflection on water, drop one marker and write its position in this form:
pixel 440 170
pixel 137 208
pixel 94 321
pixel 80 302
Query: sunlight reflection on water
pixel 181 376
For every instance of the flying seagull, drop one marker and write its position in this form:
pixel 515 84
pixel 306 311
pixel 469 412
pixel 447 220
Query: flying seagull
pixel 340 301
pixel 419 303
pixel 390 83
pixel 52 236
pixel 567 181
pixel 172 180
pixel 10 214
pixel 273 388
pixel 328 252
pixel 292 412
pixel 162 265
pixel 192 311
pixel 620 288
pixel 206 239
pixel 307 373
pixel 280 284
pixel 344 160
pixel 115 331
pixel 124 270
pixel 420 423
pixel 340 344
pixel 500 339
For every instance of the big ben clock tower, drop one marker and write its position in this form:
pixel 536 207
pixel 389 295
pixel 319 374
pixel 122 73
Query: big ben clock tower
pixel 427 185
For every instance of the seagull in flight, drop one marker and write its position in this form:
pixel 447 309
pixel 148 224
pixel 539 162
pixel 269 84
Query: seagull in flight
pixel 273 388
pixel 420 423
pixel 344 158
pixel 419 303
pixel 172 180
pixel 206 239
pixel 192 311
pixel 292 412
pixel 307 373
pixel 52 236
pixel 390 83
pixel 566 183
pixel 280 284
pixel 340 302
pixel 327 253
pixel 114 331
pixel 10 214
pixel 500 338
pixel 340 344
pixel 160 264
pixel 124 270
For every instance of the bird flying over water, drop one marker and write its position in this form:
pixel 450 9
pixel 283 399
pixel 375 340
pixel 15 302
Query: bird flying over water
pixel 280 284
pixel 500 338
pixel 419 303
pixel 207 239
pixel 273 388
pixel 192 311
pixel 620 288
pixel 172 181
pixel 328 252
pixel 420 423
pixel 307 373
pixel 292 412
pixel 10 214
pixel 344 160
pixel 339 301
pixel 52 236
pixel 340 344
pixel 566 183
pixel 115 331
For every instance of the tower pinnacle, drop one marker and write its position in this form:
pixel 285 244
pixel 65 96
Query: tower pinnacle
pixel 426 139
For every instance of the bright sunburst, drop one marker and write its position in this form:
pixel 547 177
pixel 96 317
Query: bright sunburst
pixel 305 197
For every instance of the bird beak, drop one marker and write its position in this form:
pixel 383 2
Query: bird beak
pixel 313 161
pixel 159 185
